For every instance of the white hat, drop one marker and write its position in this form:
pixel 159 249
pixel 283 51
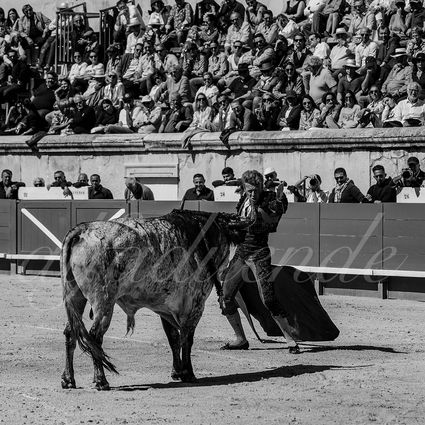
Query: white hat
pixel 340 31
pixel 269 170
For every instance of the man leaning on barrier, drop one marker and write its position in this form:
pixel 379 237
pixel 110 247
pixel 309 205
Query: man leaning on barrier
pixel 384 189
pixel 8 188
pixel 412 176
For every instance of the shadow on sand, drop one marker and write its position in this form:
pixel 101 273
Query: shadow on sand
pixel 307 348
pixel 280 372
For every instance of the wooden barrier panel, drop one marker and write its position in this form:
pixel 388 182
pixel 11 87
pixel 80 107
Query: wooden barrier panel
pixel 227 207
pixel 296 240
pixel 351 235
pixel 42 225
pixel 98 210
pixel 7 231
pixel 404 236
pixel 158 208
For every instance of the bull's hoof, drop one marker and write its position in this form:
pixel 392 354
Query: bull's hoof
pixel 186 376
pixel 67 383
pixel 102 386
pixel 294 350
pixel 175 376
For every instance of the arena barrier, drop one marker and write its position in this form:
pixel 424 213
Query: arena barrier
pixel 357 249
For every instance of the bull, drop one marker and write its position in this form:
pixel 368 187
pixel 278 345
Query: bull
pixel 167 264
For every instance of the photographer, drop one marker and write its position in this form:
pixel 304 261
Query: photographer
pixel 273 184
pixel 313 193
pixel 412 176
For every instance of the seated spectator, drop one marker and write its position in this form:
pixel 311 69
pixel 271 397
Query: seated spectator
pixel 199 191
pixel 418 72
pixel 266 83
pixel 114 90
pixel 149 117
pixel 299 54
pixel 39 182
pixel 327 17
pixel 208 89
pixel 313 193
pixel 217 63
pixel 385 51
pixel 372 77
pixel 267 112
pixel 82 181
pixel 31 123
pixel 178 118
pixel 221 120
pixel 349 114
pixel 164 60
pixel 96 190
pixel 94 68
pixel 290 80
pixel 254 13
pixel 345 190
pixel 12 20
pixel 416 17
pixel 16 114
pixel 176 82
pixel 412 176
pixel 388 112
pixel 318 48
pixel 361 17
pixel 241 118
pixel 126 117
pixel 65 90
pixel 241 86
pixel 294 10
pixel 397 24
pixel 384 189
pixel 371 116
pixel 84 117
pixel 208 32
pixel 136 190
pixel 399 77
pixel 77 73
pixel 268 28
pixel 17 80
pixel 157 79
pixel 95 91
pixel 330 110
pixel 238 30
pixel 33 29
pixel 233 63
pixel 146 69
pixel 366 48
pixel 45 95
pixel 107 115
pixel 92 46
pixel 289 117
pixel 410 112
pixel 261 53
pixel 350 81
pixel 195 64
pixel 320 81
pixel 179 21
pixel 8 188
pixel 310 113
pixel 416 43
pixel 128 69
pixel 340 53
pixel 114 59
pixel 61 118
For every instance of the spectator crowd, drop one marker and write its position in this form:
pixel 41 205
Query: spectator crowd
pixel 216 67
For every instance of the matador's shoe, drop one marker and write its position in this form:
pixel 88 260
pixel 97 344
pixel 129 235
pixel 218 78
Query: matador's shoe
pixel 229 346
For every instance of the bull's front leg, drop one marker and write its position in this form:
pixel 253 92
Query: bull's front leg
pixel 187 374
pixel 173 337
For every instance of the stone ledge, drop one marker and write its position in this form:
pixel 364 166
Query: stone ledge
pixel 312 140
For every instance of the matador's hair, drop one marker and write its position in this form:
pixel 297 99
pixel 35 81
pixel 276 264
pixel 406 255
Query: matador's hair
pixel 253 177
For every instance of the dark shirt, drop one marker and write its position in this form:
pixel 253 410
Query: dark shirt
pixel 351 194
pixel 84 119
pixel 14 193
pixel 105 118
pixel 44 98
pixel 21 72
pixel 383 193
pixel 415 181
pixel 63 185
pixel 226 10
pixel 139 192
pixel 172 117
pixel 240 86
pixel 245 122
pixel 100 193
pixel 206 194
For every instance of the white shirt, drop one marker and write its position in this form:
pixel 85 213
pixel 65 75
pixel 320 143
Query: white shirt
pixel 322 50
pixel 78 70
pixel 363 51
pixel 405 109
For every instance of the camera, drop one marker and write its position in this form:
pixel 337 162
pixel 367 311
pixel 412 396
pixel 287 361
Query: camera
pixel 314 182
pixel 407 173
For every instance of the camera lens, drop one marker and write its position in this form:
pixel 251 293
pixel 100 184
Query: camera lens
pixel 406 174
pixel 313 182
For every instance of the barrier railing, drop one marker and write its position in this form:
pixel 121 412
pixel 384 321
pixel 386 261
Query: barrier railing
pixel 380 240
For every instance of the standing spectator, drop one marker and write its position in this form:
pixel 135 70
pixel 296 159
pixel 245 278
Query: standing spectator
pixel 84 118
pixel 320 81
pixel 310 113
pixel 410 112
pixel 33 28
pixel 177 118
pixel 345 190
pixel 96 190
pixel 146 69
pixel 400 75
pixel 136 190
pixel 128 70
pixel 8 188
pixel 199 191
pixel 412 176
pixel 384 189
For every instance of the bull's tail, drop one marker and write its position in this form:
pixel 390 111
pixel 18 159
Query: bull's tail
pixel 70 288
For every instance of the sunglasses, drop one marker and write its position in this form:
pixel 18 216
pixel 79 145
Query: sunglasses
pixel 329 100
pixel 201 98
pixel 92 57
pixel 307 103
pixel 379 176
pixel 373 91
pixel 298 40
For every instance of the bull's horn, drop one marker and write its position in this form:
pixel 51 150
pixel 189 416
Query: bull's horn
pixel 245 223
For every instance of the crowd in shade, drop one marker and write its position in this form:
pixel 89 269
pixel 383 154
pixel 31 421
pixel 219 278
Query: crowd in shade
pixel 226 67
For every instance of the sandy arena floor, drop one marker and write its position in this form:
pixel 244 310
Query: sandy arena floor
pixel 373 373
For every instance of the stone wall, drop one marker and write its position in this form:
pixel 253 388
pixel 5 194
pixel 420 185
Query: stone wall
pixel 292 154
